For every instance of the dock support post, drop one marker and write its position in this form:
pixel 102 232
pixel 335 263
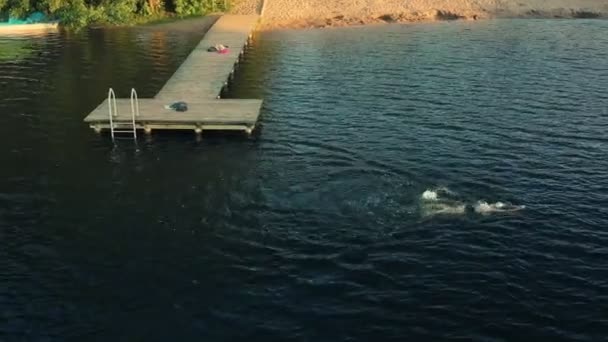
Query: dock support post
pixel 198 130
pixel 147 129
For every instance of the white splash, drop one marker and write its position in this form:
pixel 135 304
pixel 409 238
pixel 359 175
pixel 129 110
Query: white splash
pixel 429 195
pixel 433 194
pixel 483 207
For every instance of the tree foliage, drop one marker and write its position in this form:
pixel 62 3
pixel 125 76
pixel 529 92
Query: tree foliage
pixel 84 12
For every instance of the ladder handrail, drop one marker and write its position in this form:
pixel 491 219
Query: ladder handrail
pixel 134 110
pixel 113 113
pixel 112 102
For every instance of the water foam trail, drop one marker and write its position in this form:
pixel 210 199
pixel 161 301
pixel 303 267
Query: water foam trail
pixel 443 208
pixel 435 202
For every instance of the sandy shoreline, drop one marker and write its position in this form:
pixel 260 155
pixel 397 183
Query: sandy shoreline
pixel 335 13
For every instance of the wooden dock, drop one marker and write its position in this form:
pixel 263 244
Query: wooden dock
pixel 198 82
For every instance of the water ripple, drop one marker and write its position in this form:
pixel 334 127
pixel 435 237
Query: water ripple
pixel 316 227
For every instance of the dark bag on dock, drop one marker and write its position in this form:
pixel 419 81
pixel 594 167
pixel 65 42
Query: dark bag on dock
pixel 178 106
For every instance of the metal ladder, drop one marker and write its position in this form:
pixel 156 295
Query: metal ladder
pixel 114 128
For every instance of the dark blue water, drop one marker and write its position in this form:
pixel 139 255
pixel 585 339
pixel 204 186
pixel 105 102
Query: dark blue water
pixel 316 229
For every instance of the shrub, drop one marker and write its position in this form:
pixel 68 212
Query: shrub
pixel 198 7
pixel 18 8
pixel 74 13
pixel 188 7
pixel 78 13
pixel 119 11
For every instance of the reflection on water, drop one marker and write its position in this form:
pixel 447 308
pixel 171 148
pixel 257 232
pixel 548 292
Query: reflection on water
pixel 16 46
pixel 14 50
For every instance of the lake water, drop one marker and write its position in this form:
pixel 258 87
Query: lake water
pixel 418 182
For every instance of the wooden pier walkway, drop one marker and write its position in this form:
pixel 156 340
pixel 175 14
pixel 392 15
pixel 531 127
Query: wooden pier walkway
pixel 198 82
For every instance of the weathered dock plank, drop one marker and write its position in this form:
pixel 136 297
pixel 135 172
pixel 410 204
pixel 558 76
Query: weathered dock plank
pixel 227 111
pixel 204 73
